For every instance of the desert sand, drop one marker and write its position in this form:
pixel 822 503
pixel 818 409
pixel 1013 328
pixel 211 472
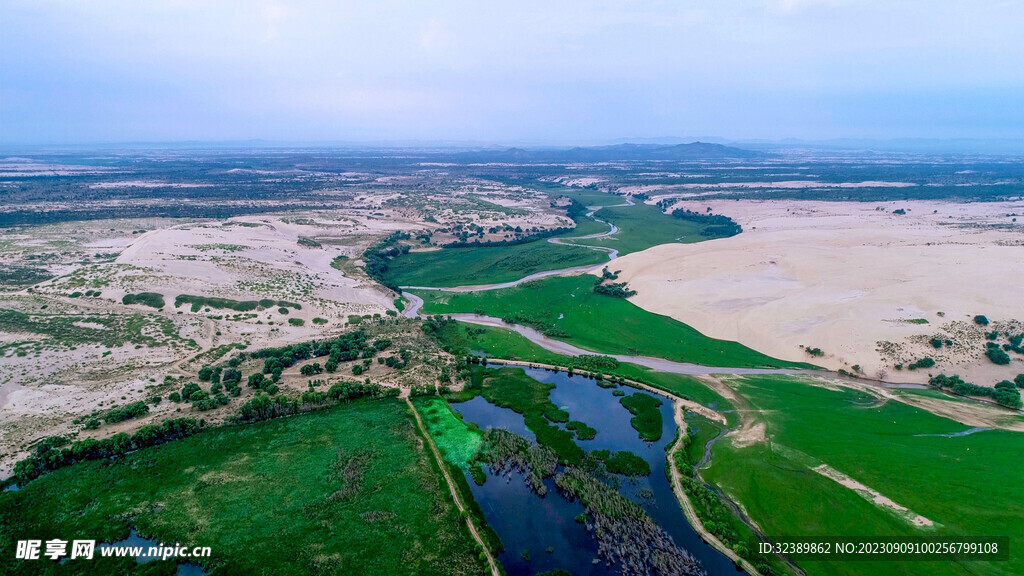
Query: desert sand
pixel 848 278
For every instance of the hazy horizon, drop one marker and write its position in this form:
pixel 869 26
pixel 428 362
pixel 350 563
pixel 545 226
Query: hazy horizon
pixel 578 73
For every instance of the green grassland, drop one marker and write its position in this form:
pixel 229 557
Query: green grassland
pixel 343 490
pixel 486 265
pixel 642 226
pixel 962 483
pixel 462 338
pixel 567 307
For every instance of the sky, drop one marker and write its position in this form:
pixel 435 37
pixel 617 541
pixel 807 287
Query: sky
pixel 525 72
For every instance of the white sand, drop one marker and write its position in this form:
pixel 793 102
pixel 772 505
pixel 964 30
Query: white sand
pixel 844 277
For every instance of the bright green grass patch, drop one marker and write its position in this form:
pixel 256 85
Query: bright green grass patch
pixel 569 308
pixel 342 490
pixel 456 440
pixel 642 226
pixel 646 418
pixel 953 481
pixel 486 264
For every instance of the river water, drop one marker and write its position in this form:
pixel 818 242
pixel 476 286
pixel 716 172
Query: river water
pixel 541 534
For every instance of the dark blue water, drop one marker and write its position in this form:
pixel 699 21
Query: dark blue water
pixel 487 415
pixel 525 521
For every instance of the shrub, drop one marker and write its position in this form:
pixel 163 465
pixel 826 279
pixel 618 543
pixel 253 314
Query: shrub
pixel 296 321
pixel 997 355
pixel 981 320
pixel 926 362
pixel 936 342
pixel 151 299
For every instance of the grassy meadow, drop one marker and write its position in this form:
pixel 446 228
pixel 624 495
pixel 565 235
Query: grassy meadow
pixel 345 490
pixel 643 226
pixel 962 484
pixel 487 264
pixel 568 308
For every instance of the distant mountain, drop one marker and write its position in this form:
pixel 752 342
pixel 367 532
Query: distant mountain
pixel 614 153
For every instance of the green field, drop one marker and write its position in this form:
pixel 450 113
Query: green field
pixel 642 226
pixel 462 338
pixel 962 484
pixel 568 308
pixel 486 265
pixel 344 490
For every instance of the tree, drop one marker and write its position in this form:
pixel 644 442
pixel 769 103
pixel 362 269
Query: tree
pixel 997 355
pixel 205 373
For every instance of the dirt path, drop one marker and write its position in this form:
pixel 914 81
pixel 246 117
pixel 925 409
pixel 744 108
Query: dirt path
pixel 687 506
pixel 495 571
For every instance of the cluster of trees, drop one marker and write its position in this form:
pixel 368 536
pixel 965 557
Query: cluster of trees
pixel 926 362
pixel 715 225
pixel 54 452
pixel 151 299
pixel 264 407
pixel 231 378
pixel 996 354
pixel 311 369
pixel 210 373
pixel 399 362
pixel 594 362
pixel 614 289
pixel 133 410
pixel 938 342
pixel 434 324
pixel 517 240
pixel 198 302
pixel 201 399
pixel 575 209
pixel 376 258
pixel 623 462
pixel 814 351
pixel 1004 393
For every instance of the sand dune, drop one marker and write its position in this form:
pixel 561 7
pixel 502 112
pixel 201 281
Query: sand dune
pixel 848 278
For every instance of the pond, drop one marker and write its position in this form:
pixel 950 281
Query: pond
pixel 541 534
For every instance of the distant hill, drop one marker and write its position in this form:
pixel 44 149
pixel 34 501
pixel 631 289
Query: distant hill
pixel 614 153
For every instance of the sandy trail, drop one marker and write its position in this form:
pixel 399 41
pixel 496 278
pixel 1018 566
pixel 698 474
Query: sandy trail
pixel 495 571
